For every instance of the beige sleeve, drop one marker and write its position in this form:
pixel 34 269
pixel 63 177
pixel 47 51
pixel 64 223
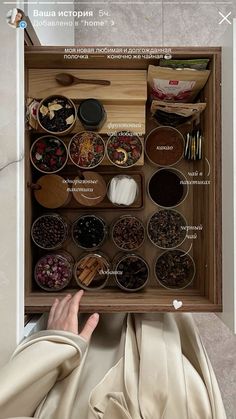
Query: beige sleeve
pixel 36 366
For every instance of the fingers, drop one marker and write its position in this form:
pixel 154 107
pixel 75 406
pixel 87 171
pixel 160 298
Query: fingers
pixel 64 316
pixel 68 307
pixel 90 326
pixel 52 311
pixel 61 306
pixel 73 308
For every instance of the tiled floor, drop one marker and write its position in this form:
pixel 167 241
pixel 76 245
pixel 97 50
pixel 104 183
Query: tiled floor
pixel 221 348
pixel 167 22
pixel 195 24
pixel 133 25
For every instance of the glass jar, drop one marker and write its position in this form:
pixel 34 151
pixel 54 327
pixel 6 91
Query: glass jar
pixel 167 188
pixel 50 231
pixel 128 233
pixel 48 154
pixel 86 149
pixel 124 149
pixel 167 229
pixel 175 269
pixel 63 111
pixel 89 232
pixel 131 272
pixel 53 272
pixel 92 271
pixel 164 146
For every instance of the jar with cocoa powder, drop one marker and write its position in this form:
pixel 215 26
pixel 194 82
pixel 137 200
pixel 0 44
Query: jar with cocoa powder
pixel 164 146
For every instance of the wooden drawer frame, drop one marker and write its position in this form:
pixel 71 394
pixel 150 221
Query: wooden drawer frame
pixel 207 294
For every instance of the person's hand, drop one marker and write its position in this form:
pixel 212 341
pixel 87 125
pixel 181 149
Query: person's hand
pixel 64 316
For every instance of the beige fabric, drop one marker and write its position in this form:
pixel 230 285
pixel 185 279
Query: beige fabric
pixel 161 372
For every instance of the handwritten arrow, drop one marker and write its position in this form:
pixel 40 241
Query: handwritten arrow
pixel 191 245
pixel 209 167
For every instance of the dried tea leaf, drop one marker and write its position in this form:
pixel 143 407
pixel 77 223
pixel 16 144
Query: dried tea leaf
pixel 38 156
pixel 44 110
pixel 52 103
pixel 54 107
pixel 70 119
pixel 51 114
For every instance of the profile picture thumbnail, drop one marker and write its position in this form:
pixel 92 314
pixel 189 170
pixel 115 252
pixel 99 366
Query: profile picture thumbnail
pixel 15 17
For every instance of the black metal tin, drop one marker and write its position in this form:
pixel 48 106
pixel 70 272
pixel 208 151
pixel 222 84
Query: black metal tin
pixel 92 114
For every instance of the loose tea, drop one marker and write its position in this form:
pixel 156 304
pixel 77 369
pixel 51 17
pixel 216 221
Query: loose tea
pixel 86 149
pixel 165 229
pixel 128 233
pixel 164 146
pixel 169 119
pixel 175 114
pixel 56 114
pixel 165 188
pixel 53 272
pixel 124 149
pixel 89 231
pixel 134 272
pixel 49 231
pixel 48 154
pixel 175 269
pixel 181 109
pixel 91 271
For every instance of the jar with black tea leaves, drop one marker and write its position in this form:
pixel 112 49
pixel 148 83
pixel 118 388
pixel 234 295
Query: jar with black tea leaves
pixel 131 272
pixel 175 269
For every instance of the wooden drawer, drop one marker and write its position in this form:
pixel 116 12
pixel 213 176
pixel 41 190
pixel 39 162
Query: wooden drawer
pixel 202 206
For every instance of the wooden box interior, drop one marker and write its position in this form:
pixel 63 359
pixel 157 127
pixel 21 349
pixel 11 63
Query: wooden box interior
pixel 202 206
